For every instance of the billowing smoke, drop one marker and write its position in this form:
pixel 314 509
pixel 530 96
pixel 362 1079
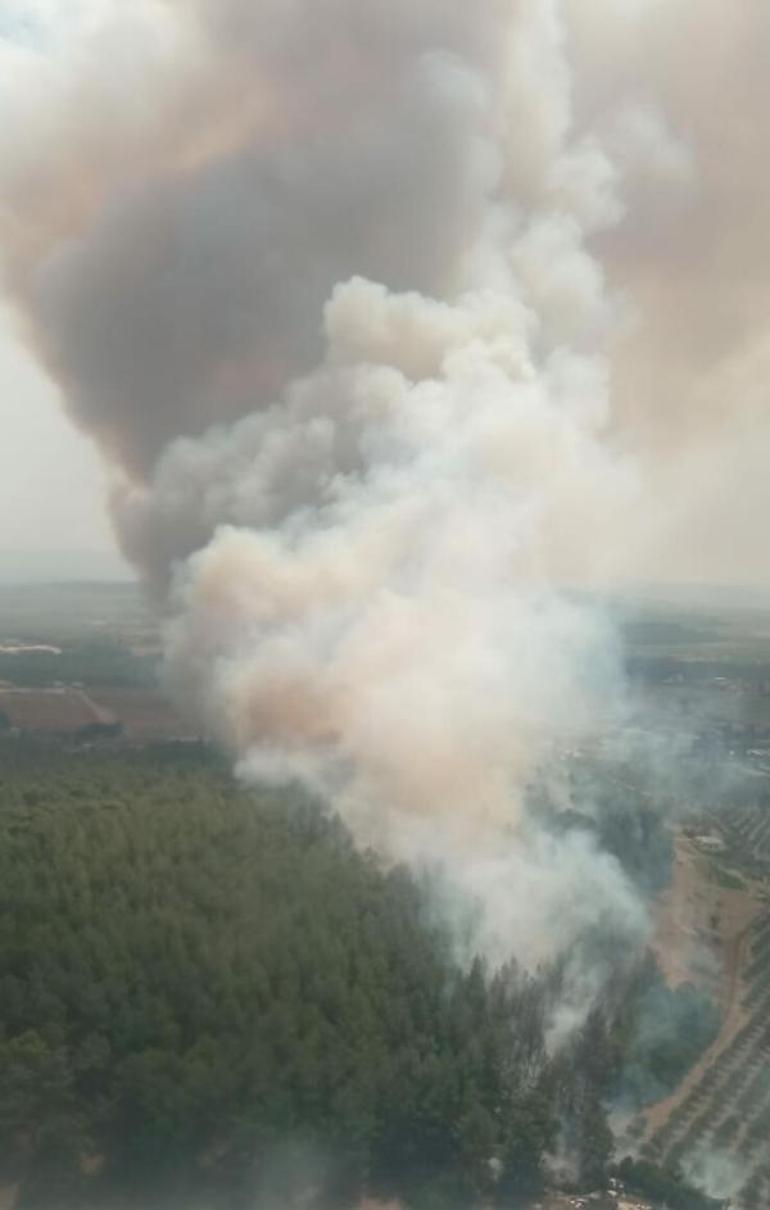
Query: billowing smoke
pixel 327 282
pixel 714 1170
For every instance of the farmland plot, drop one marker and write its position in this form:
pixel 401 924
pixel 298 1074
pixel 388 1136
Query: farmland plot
pixel 722 1107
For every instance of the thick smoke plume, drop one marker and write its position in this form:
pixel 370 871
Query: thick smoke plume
pixel 341 290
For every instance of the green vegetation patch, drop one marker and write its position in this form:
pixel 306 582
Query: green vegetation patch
pixel 663 1187
pixel 664 1033
pixel 210 997
pixel 92 662
pixel 727 879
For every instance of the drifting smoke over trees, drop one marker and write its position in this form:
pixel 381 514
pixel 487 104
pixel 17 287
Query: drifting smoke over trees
pixel 368 307
pixel 199 981
pixel 331 294
pixel 326 303
pixel 210 997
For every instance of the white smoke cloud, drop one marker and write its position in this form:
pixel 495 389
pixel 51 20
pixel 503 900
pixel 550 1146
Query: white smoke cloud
pixel 394 324
pixel 714 1170
pixel 380 616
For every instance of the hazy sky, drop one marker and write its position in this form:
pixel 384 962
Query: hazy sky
pixel 51 480
pixel 52 483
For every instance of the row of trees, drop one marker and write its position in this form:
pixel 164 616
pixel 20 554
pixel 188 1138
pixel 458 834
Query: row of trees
pixel 728 1108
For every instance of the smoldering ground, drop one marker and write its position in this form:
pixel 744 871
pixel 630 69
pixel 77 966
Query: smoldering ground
pixel 393 324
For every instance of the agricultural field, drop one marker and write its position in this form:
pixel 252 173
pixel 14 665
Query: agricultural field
pixel 746 834
pixel 700 665
pixel 706 667
pixel 133 715
pixel 144 715
pixel 722 1107
pixel 78 657
pixel 48 710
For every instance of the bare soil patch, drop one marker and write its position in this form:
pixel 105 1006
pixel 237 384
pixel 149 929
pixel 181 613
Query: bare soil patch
pixel 46 709
pixel 145 714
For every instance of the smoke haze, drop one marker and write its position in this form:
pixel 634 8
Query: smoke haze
pixel 401 326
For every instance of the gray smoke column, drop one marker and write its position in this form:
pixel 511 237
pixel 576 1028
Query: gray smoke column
pixel 324 280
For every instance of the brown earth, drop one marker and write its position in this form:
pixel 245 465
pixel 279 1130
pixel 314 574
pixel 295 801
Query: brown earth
pixel 145 714
pixel 698 921
pixel 46 709
pixel 701 936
